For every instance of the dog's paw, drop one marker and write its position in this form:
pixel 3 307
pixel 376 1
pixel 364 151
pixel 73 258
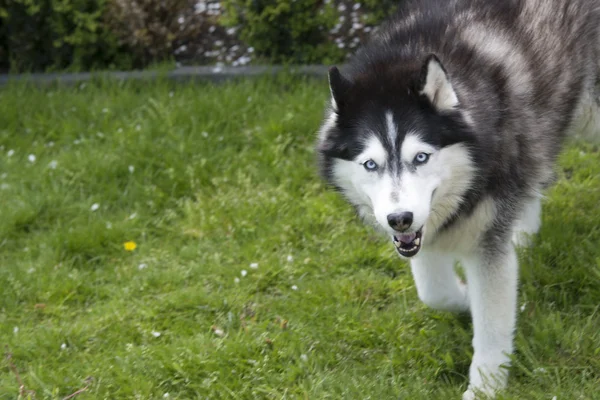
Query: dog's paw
pixel 487 376
pixel 469 395
pixel 478 394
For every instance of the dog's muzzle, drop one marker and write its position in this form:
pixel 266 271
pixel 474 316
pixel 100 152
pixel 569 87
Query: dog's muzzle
pixel 408 244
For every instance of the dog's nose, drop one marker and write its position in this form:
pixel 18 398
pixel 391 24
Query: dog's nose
pixel 400 221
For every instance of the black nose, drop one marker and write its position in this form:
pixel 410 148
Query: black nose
pixel 400 221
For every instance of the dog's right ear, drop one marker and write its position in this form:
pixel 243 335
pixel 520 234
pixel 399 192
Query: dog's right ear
pixel 436 86
pixel 338 85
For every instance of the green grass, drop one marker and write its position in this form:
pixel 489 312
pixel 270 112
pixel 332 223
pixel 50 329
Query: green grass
pixel 208 180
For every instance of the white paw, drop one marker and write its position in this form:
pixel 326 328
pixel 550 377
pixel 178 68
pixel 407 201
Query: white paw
pixel 478 394
pixel 486 377
pixel 468 395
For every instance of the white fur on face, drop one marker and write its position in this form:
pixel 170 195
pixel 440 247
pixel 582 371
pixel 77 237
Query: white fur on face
pixel 413 145
pixel 415 185
pixel 380 193
pixel 391 126
pixel 358 185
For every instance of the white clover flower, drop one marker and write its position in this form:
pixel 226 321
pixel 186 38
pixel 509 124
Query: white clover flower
pixel 95 207
pixel 219 332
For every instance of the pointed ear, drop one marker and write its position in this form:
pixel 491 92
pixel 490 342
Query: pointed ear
pixel 338 85
pixel 436 85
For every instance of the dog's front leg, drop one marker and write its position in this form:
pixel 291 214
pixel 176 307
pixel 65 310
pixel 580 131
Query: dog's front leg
pixel 438 286
pixel 492 282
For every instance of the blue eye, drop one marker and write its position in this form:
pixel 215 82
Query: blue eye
pixel 370 165
pixel 421 158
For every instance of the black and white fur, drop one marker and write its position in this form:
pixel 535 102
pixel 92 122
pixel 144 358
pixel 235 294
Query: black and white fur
pixel 443 132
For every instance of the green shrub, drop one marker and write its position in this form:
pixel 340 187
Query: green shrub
pixel 286 30
pixel 300 31
pixel 378 10
pixel 41 35
pixel 153 29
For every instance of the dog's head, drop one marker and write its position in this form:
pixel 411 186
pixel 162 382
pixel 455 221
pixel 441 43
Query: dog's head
pixel 396 143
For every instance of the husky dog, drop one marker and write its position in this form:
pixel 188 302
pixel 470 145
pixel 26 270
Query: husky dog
pixel 443 132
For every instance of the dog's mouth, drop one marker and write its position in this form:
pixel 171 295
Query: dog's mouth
pixel 408 244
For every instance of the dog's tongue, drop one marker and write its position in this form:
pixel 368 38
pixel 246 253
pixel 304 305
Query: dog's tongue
pixel 407 238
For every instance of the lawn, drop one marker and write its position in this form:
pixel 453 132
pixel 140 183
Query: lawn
pixel 249 279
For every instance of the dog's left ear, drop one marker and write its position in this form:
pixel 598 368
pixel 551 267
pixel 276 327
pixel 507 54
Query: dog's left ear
pixel 339 85
pixel 436 86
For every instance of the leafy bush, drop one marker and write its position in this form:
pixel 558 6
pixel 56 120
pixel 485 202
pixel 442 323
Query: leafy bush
pixel 154 29
pixel 286 30
pixel 305 31
pixel 57 34
pixel 378 10
pixel 42 35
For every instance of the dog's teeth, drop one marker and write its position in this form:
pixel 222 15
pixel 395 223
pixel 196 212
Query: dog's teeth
pixel 417 242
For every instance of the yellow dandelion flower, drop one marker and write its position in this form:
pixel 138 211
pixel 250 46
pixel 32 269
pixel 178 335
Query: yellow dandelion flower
pixel 130 246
